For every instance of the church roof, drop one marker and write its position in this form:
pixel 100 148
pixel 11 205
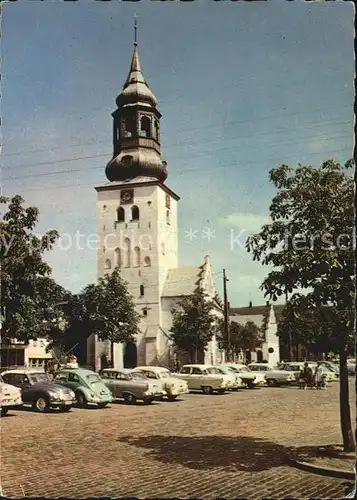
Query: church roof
pixel 257 314
pixel 182 281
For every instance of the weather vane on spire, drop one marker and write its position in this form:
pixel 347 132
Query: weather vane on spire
pixel 135 30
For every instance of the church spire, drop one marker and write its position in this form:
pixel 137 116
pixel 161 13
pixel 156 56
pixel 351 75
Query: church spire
pixel 136 133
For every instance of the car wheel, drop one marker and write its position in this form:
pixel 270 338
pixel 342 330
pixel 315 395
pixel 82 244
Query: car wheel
pixel 102 405
pixel 129 399
pixel 250 385
pixel 65 409
pixel 172 398
pixel 81 400
pixel 206 389
pixel 4 411
pixel 148 401
pixel 41 404
pixel 272 382
pixel 221 391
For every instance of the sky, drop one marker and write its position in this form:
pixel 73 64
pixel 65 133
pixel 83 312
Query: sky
pixel 243 87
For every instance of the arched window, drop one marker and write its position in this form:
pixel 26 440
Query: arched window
pixel 126 253
pixel 107 264
pixel 147 262
pixel 141 290
pixel 136 257
pixel 118 257
pixel 156 130
pixel 135 213
pixel 121 214
pixel 168 217
pixel 145 126
pixel 162 248
pixel 129 127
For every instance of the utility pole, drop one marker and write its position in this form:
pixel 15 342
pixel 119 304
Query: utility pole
pixel 226 315
pixel 289 334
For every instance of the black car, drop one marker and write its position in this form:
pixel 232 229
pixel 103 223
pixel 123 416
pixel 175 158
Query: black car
pixel 38 390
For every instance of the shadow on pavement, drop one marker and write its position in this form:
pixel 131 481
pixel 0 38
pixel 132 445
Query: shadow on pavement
pixel 220 452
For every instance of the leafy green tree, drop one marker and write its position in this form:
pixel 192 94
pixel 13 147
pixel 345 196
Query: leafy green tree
pixel 310 244
pixel 29 295
pixel 243 337
pixel 193 324
pixel 108 310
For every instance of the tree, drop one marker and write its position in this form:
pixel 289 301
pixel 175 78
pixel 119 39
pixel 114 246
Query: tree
pixel 193 324
pixel 310 244
pixel 28 293
pixel 243 338
pixel 107 309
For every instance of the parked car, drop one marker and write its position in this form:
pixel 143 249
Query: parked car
pixel 206 378
pixel 329 373
pixel 131 385
pixel 10 397
pixel 39 390
pixel 274 377
pixel 236 380
pixel 172 386
pixel 351 366
pixel 87 385
pixel 293 367
pixel 248 378
pixel 331 366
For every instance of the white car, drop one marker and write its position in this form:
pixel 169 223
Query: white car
pixel 173 387
pixel 248 378
pixel 330 374
pixel 274 377
pixel 206 378
pixel 10 397
pixel 236 380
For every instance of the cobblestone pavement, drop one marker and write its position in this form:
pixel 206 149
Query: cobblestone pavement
pixel 218 446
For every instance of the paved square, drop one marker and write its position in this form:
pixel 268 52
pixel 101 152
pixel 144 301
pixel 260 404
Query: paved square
pixel 218 446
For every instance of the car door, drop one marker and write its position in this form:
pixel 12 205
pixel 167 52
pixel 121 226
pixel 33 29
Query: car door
pixel 120 385
pixel 197 377
pixel 73 381
pixel 185 374
pixel 108 379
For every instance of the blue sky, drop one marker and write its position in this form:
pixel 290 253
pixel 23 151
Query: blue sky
pixel 242 87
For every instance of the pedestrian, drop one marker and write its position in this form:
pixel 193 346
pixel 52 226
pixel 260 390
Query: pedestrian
pixel 320 378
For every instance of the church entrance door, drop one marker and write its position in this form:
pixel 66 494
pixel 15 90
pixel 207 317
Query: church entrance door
pixel 130 355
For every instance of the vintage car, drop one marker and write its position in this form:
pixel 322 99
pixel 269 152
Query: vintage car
pixel 172 386
pixel 87 385
pixel 10 397
pixel 248 378
pixel 206 378
pixel 131 386
pixel 329 373
pixel 274 377
pixel 236 380
pixel 292 367
pixel 351 366
pixel 39 390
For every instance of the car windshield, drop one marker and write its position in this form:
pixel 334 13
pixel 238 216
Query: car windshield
pixel 233 369
pixel 212 370
pixel 39 377
pixel 165 374
pixel 93 378
pixel 244 369
pixel 137 375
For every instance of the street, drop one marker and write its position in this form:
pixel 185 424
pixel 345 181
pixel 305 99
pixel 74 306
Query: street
pixel 218 446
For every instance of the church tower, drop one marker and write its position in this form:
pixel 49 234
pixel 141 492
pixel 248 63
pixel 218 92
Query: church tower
pixel 137 213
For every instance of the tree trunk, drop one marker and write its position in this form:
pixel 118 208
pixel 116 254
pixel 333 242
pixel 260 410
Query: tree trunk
pixel 196 355
pixel 345 414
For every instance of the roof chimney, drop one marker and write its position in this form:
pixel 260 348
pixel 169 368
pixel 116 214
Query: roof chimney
pixel 250 304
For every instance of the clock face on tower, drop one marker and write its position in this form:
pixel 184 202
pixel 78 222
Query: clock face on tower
pixel 127 196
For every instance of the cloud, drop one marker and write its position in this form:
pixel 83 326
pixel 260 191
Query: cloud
pixel 248 222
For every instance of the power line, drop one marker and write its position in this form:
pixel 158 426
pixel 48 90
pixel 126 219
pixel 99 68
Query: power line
pixel 202 153
pixel 109 155
pixel 182 171
pixel 268 117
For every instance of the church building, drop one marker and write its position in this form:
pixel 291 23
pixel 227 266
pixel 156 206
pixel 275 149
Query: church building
pixel 137 226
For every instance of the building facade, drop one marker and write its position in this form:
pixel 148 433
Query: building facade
pixel 137 226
